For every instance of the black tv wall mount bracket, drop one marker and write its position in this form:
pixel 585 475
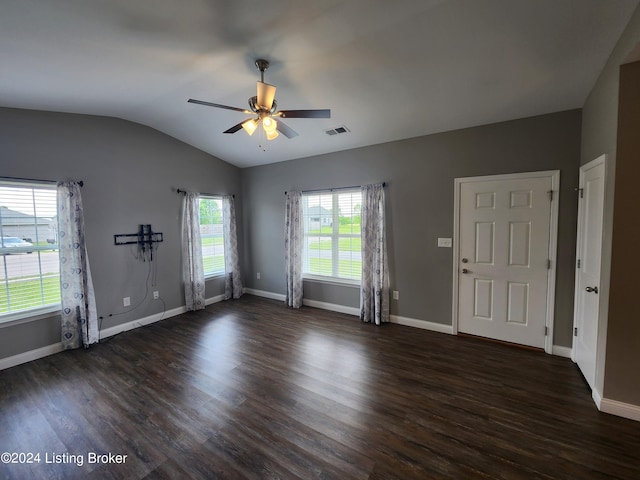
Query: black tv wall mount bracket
pixel 145 238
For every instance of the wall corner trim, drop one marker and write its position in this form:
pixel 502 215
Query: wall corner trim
pixel 621 409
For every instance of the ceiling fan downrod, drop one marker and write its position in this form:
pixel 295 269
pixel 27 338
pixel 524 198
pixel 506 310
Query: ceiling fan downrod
pixel 262 65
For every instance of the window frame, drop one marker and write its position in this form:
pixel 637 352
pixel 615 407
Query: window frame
pixel 40 311
pixel 334 236
pixel 216 273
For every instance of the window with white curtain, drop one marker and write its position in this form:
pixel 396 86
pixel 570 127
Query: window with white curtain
pixel 332 247
pixel 30 268
pixel 212 235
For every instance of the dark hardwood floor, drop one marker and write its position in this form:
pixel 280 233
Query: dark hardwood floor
pixel 251 389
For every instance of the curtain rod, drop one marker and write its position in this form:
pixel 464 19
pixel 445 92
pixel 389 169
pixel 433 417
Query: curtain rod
pixel 208 194
pixel 81 183
pixel 384 184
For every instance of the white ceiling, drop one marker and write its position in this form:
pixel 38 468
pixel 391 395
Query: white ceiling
pixel 387 70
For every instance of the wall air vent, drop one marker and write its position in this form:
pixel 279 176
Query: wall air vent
pixel 337 130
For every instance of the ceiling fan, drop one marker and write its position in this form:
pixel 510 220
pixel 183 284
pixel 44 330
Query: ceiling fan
pixel 265 109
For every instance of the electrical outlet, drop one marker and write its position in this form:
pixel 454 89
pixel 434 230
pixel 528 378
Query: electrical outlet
pixel 258 275
pixel 396 295
pixel 156 295
pixel 126 301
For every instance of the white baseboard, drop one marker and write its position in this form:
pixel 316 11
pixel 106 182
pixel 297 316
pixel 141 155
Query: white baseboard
pixel 561 351
pixel 332 306
pixel 437 327
pixel 262 293
pixel 212 300
pixel 140 322
pixel 423 324
pixel 614 407
pixel 25 357
pixel 626 410
pixel 606 405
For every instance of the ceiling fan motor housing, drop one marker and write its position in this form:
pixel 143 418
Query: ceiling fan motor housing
pixel 262 64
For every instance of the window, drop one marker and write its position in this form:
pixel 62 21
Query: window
pixel 332 235
pixel 30 269
pixel 211 233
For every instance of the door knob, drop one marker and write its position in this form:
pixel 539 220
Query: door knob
pixel 592 289
pixel 464 270
pixel 465 260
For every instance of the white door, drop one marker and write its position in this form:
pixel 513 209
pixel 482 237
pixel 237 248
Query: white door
pixel 503 259
pixel 588 253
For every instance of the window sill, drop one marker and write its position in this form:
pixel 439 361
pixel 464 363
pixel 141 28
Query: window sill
pixel 29 316
pixel 341 282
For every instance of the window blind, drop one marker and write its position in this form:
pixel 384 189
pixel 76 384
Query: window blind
pixel 332 246
pixel 29 274
pixel 211 233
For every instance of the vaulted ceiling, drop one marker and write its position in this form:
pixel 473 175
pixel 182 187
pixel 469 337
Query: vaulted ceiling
pixel 387 70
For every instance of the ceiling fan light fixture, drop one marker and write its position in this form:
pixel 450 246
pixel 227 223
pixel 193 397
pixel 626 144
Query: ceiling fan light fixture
pixel 269 125
pixel 250 126
pixel 272 135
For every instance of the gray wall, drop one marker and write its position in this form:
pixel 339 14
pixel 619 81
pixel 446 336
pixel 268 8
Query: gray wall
pixel 623 358
pixel 130 173
pixel 600 136
pixel 618 361
pixel 420 175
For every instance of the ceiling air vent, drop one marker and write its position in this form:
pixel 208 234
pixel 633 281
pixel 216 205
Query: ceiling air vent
pixel 337 130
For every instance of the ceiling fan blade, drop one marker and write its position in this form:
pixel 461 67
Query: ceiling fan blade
pixel 266 94
pixel 286 130
pixel 325 113
pixel 235 128
pixel 217 105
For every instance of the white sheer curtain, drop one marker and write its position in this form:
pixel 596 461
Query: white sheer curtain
pixel 192 269
pixel 374 293
pixel 294 236
pixel 79 317
pixel 232 282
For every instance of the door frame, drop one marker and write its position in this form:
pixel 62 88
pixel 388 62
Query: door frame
pixel 554 175
pixel 601 330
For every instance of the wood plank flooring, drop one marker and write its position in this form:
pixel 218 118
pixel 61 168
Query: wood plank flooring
pixel 251 389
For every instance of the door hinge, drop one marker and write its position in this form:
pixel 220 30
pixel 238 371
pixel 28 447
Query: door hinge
pixel 579 263
pixel 581 190
pixel 550 192
pixel 548 264
pixel 546 331
pixel 575 331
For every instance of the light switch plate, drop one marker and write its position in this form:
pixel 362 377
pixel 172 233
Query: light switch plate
pixel 444 242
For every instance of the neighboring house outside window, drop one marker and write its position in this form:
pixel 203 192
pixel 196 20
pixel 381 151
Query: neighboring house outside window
pixel 211 233
pixel 30 267
pixel 332 247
